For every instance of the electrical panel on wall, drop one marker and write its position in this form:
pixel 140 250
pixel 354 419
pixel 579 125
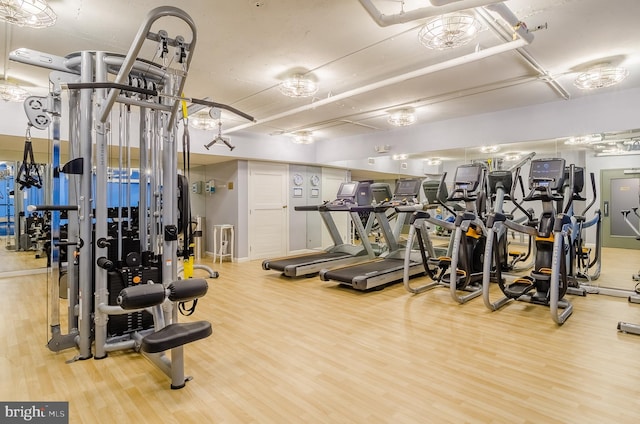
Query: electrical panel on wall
pixel 210 187
pixel 196 187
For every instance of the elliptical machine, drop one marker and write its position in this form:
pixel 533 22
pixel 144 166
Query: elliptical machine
pixel 547 283
pixel 627 327
pixel 585 259
pixel 501 187
pixel 462 270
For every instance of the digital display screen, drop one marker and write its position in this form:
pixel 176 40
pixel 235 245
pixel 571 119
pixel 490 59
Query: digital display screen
pixel 407 188
pixel 467 174
pixel 347 190
pixel 467 177
pixel 547 171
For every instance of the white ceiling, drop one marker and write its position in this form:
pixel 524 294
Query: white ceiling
pixel 246 47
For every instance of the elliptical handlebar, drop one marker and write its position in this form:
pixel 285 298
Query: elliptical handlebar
pixel 517 178
pixel 594 192
pixel 572 171
pixel 439 194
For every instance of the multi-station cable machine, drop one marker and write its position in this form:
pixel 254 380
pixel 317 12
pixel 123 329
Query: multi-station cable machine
pixel 122 265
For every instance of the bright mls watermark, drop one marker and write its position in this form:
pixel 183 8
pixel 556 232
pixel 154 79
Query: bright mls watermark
pixel 34 412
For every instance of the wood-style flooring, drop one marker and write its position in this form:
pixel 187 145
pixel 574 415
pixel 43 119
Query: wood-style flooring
pixel 306 351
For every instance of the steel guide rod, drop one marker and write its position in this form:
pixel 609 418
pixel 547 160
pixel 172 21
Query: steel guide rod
pixel 101 293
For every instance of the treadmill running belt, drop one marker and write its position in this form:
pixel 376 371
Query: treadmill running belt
pixel 347 274
pixel 281 264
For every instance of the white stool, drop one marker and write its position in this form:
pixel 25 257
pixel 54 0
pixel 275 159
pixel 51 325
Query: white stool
pixel 223 247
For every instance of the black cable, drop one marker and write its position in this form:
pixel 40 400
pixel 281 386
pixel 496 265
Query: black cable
pixel 187 311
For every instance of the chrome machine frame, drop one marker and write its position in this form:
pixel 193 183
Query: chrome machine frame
pixel 154 87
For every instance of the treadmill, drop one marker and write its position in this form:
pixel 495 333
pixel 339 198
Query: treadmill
pixel 390 266
pixel 341 253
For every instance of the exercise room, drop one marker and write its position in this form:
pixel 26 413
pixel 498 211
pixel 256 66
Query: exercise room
pixel 320 211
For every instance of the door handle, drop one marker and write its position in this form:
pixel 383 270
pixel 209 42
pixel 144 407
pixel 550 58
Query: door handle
pixel 605 208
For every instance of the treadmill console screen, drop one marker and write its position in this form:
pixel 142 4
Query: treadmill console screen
pixel 348 190
pixel 467 177
pixel 547 173
pixel 407 188
pixel 381 192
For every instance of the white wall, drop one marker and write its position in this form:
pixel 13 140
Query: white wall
pixel 613 111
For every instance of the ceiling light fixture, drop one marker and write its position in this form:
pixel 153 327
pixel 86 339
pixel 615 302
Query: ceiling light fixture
pixel 401 156
pixel 433 161
pixel 303 137
pixel 449 31
pixel 584 139
pixel 29 13
pixel 490 149
pixel 512 157
pixel 202 121
pixel 402 118
pixel 10 92
pixel 298 86
pixel 600 76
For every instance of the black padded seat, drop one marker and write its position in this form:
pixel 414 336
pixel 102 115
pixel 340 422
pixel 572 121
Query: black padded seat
pixel 174 335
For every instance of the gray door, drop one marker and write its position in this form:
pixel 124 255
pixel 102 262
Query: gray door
pixel 620 192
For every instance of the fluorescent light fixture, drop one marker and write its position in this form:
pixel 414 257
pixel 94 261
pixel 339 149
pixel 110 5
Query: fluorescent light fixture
pixel 433 161
pixel 298 86
pixel 449 31
pixel 600 76
pixel 27 13
pixel 402 156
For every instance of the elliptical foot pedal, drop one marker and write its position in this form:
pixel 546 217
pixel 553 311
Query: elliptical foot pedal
pixel 519 287
pixel 540 298
pixel 460 280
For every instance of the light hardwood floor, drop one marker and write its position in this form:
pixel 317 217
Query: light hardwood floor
pixel 289 351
